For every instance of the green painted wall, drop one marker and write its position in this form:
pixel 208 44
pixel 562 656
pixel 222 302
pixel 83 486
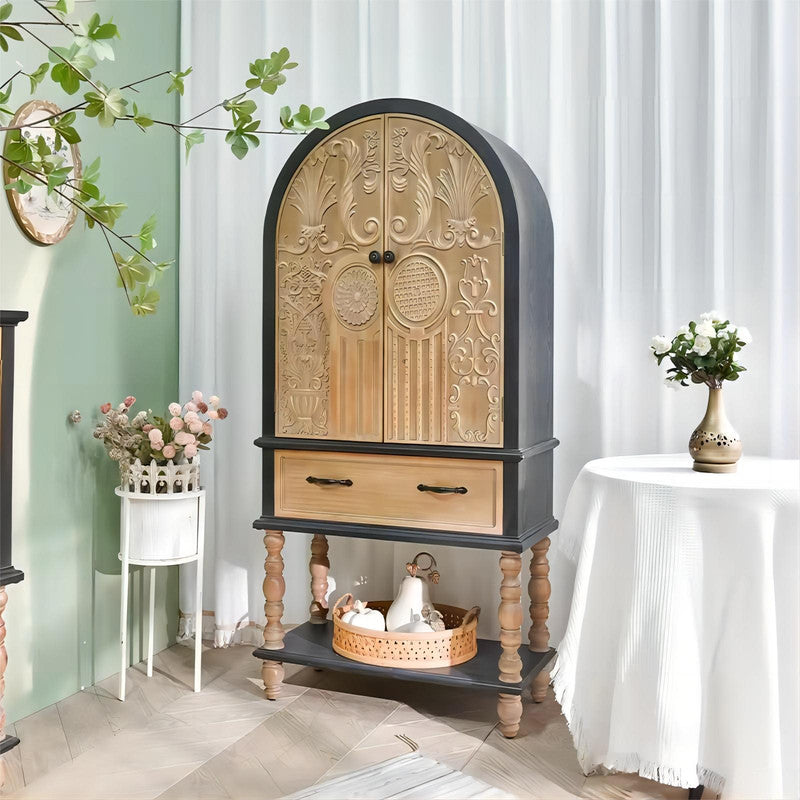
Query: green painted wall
pixel 81 347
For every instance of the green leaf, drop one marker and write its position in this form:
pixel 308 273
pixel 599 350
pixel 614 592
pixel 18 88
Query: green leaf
pixel 66 77
pixel 11 32
pixel 64 6
pixel 267 72
pixel 4 98
pixel 64 129
pixel 176 84
pixel 20 186
pixel 107 213
pixel 142 119
pixel 145 302
pixel 92 35
pixel 132 270
pixel 191 139
pixel 146 232
pixel 57 177
pixel 89 190
pixel 38 75
pixel 5 11
pixel 108 107
pixel 238 146
pixel 242 110
pixel 92 173
pixel 305 119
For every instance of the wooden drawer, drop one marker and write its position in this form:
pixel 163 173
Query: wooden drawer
pixel 384 490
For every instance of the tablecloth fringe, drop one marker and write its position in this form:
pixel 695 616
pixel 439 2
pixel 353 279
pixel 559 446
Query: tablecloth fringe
pixel 626 762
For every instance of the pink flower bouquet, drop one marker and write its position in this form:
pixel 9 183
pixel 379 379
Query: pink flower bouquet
pixel 181 435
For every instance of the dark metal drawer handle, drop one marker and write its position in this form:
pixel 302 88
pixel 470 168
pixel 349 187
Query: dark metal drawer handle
pixel 443 489
pixel 329 481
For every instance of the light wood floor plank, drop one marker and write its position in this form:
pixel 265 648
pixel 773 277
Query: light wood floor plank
pixel 45 743
pixel 84 722
pixel 12 761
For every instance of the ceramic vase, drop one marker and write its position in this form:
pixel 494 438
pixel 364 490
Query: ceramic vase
pixel 714 445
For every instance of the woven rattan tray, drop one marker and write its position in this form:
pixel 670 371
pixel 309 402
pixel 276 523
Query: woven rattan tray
pixel 454 645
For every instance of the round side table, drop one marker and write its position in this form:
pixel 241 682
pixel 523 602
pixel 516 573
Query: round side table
pixel 159 530
pixel 681 659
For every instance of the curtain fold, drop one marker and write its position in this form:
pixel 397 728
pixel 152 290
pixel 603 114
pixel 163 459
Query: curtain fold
pixel 666 138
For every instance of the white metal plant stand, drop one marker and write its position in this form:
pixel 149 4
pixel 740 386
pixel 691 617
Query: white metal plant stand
pixel 158 530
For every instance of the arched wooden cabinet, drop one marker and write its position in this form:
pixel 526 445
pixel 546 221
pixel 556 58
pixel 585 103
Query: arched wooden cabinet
pixel 408 333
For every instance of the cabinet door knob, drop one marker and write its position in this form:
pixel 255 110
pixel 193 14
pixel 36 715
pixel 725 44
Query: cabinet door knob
pixel 388 256
pixel 442 489
pixel 375 257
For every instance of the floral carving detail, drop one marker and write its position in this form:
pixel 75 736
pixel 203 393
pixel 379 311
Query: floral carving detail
pixel 361 163
pixel 474 351
pixel 355 296
pixel 415 163
pixel 460 187
pixel 303 347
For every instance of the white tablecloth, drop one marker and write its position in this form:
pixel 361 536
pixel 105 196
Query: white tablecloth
pixel 681 659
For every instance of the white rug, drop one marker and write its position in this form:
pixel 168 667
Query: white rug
pixel 406 776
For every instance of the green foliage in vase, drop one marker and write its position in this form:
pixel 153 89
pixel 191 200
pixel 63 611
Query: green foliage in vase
pixel 702 351
pixel 30 161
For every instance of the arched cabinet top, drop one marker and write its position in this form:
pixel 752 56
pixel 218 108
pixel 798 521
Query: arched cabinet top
pixel 523 294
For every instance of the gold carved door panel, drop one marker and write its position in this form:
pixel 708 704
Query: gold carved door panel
pixel 329 297
pixel 443 340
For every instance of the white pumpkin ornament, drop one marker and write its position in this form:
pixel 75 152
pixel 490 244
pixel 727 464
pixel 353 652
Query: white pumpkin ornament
pixel 362 617
pixel 417 625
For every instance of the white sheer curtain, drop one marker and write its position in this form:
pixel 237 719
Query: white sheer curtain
pixel 666 137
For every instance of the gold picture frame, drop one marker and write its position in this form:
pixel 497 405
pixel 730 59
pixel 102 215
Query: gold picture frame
pixel 45 219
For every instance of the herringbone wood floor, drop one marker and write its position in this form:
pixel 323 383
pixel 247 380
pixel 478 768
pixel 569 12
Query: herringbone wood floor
pixel 227 742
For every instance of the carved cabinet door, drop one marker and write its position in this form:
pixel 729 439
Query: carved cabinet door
pixel 444 290
pixel 329 296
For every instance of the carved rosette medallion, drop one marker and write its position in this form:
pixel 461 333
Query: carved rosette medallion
pixel 355 296
pixel 418 291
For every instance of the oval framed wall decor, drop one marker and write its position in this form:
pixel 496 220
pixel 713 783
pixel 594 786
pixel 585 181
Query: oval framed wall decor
pixel 45 219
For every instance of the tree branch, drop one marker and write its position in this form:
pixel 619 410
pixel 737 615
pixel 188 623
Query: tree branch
pixel 217 105
pixel 68 63
pixel 76 107
pixel 8 80
pixel 177 127
pixel 119 271
pixel 80 206
pixel 58 20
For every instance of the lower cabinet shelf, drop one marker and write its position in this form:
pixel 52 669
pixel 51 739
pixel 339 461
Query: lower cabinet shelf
pixel 310 645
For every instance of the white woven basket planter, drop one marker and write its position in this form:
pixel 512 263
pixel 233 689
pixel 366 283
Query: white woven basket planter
pixel 162 522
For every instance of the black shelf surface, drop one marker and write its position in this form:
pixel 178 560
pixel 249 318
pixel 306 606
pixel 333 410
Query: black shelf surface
pixel 406 448
pixel 8 743
pixel 10 574
pixel 310 645
pixel 482 541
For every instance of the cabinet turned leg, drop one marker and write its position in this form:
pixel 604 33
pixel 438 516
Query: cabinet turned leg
pixel 3 662
pixel 274 588
pixel 318 567
pixel 539 593
pixel 509 706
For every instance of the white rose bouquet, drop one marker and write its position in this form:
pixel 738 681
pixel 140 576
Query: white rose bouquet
pixel 703 352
